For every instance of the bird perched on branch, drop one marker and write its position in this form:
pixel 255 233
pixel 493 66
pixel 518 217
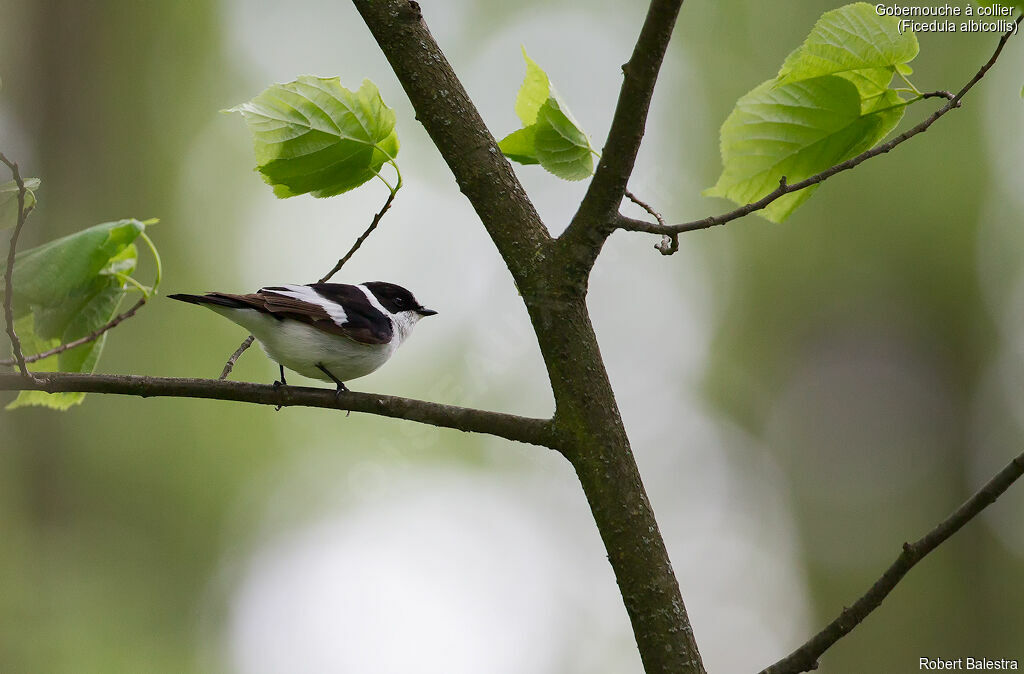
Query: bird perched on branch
pixel 328 331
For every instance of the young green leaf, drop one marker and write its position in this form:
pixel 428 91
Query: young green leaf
pixel 46 275
pixel 9 200
pixel 851 38
pixel 67 289
pixel 550 136
pixel 562 148
pixel 536 89
pixel 796 130
pixel 520 146
pixel 314 136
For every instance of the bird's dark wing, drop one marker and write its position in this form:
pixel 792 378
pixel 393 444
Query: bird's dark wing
pixel 366 323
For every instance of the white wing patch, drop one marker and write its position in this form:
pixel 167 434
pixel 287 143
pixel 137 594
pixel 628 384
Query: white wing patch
pixel 307 294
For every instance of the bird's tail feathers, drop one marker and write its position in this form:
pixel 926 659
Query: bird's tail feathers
pixel 216 299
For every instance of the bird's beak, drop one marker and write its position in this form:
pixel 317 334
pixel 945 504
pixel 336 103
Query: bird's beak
pixel 423 311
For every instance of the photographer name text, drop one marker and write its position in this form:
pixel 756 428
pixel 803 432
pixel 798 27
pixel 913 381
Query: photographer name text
pixel 975 664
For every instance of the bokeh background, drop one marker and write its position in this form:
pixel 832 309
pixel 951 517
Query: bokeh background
pixel 802 397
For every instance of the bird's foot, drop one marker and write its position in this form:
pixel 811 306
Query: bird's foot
pixel 279 384
pixel 339 383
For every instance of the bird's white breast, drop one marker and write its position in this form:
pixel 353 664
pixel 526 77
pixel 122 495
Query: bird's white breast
pixel 299 346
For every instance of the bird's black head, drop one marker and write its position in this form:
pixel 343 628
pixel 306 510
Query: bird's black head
pixel 395 298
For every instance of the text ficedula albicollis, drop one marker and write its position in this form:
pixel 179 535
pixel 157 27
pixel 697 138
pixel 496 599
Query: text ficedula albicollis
pixel 328 331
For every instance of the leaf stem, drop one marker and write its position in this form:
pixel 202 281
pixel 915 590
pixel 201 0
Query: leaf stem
pixel 910 84
pixel 156 259
pixel 126 278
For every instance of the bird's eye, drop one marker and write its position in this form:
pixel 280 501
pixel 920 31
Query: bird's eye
pixel 399 301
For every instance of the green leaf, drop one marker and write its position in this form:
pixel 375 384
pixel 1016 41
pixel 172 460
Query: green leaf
pixel 851 38
pixel 67 289
pixel 550 136
pixel 796 130
pixel 536 89
pixel 314 136
pixel 9 200
pixel 562 148
pixel 520 146
pixel 46 276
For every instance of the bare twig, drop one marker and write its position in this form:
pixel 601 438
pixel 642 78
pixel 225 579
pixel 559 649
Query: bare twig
pixel 669 242
pixel 806 657
pixel 359 241
pixel 247 342
pixel 19 357
pixel 95 334
pixel 509 426
pixel 230 365
pixel 634 225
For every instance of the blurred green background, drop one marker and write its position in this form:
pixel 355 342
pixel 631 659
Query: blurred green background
pixel 802 399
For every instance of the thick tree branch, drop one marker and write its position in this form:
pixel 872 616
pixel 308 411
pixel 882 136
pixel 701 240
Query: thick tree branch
pixel 633 225
pixel 19 357
pixel 805 658
pixel 509 426
pixel 589 228
pixel 587 424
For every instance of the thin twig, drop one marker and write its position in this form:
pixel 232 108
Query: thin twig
pixel 230 365
pixel 359 241
pixel 806 657
pixel 669 242
pixel 247 342
pixel 509 426
pixel 634 225
pixel 95 334
pixel 19 357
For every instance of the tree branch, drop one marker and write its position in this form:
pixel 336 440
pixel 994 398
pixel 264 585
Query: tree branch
pixel 587 424
pixel 509 426
pixel 230 365
pixel 633 225
pixel 19 357
pixel 589 227
pixel 806 657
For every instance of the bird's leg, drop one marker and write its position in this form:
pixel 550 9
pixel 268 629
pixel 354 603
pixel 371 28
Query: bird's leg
pixel 341 385
pixel 279 384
